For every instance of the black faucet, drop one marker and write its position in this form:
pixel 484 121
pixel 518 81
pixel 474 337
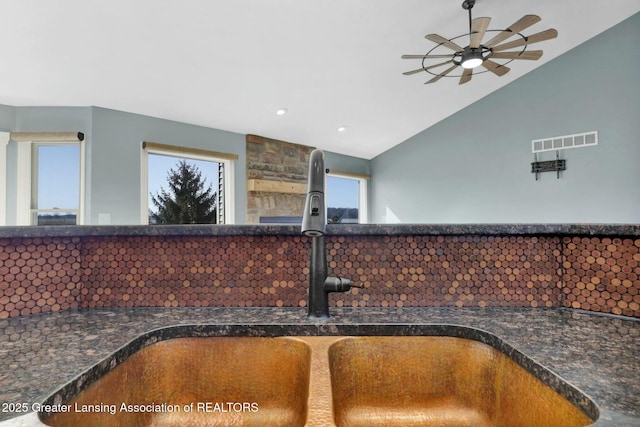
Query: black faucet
pixel 314 224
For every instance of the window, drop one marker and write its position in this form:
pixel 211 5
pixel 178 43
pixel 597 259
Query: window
pixel 215 180
pixel 50 178
pixel 55 184
pixel 346 198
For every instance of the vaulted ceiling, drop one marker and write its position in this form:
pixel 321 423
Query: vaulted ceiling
pixel 231 64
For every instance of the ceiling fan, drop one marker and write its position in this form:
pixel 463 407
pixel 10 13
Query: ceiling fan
pixel 478 53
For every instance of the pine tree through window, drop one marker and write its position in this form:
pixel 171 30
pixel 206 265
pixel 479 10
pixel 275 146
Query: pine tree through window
pixel 183 191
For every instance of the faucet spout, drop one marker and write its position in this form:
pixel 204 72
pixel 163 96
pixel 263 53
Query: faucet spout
pixel 314 217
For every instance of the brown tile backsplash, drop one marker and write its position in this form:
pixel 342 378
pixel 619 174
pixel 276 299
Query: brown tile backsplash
pixel 240 271
pixel 460 271
pixel 602 274
pixel 57 273
pixel 38 275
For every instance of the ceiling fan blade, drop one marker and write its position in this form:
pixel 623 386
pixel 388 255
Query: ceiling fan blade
pixel 466 76
pixel 478 28
pixel 408 73
pixel 437 65
pixel 445 42
pixel 528 54
pixel 441 75
pixel 425 56
pixel 495 68
pixel 535 38
pixel 521 24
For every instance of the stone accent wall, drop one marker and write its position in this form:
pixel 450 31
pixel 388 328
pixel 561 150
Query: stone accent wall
pixel 271 161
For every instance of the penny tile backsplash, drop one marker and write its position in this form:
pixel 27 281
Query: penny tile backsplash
pixel 39 275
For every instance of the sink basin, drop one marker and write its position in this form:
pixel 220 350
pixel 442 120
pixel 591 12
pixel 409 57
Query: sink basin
pixel 445 375
pixel 439 381
pixel 228 380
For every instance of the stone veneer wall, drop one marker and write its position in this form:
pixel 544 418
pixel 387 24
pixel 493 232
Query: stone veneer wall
pixel 275 161
pixel 39 275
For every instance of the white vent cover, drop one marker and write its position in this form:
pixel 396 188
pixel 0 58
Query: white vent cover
pixel 578 140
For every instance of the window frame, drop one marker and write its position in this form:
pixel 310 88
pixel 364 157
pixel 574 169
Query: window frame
pixel 4 142
pixel 362 180
pixel 226 159
pixel 27 174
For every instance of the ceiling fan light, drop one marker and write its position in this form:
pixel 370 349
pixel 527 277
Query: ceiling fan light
pixel 471 63
pixel 471 58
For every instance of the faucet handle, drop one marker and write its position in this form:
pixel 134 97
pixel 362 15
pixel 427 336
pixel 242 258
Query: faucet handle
pixel 339 284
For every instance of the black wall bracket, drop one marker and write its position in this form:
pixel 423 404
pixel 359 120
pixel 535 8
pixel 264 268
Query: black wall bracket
pixel 556 165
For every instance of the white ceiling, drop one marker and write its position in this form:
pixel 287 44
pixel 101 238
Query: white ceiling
pixel 230 64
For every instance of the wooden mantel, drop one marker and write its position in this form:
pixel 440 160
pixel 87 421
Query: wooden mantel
pixel 270 186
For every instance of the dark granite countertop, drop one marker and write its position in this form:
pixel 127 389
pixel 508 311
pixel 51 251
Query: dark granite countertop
pixel 621 230
pixel 597 354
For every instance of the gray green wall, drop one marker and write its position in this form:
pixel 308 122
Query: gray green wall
pixel 347 163
pixel 475 165
pixel 7 118
pixel 116 159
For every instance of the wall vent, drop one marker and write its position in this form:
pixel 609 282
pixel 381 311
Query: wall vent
pixel 577 140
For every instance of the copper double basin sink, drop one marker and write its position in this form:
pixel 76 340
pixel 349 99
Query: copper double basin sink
pixel 319 381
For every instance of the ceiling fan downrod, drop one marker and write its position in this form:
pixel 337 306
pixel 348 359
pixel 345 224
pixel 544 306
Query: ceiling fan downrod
pixel 472 57
pixel 468 5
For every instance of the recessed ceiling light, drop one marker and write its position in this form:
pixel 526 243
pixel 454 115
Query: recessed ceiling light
pixel 281 111
pixel 342 128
